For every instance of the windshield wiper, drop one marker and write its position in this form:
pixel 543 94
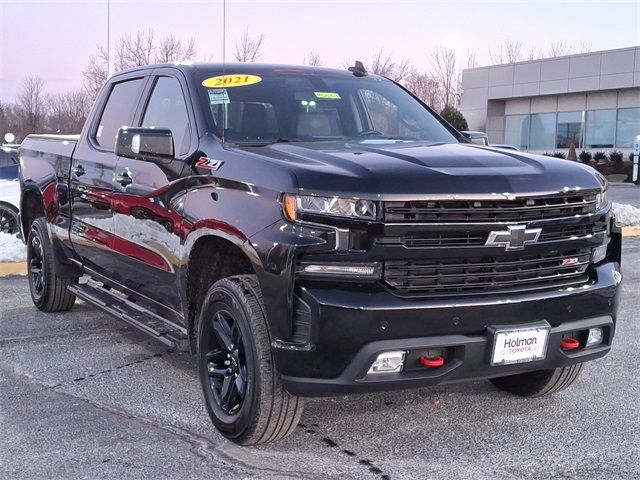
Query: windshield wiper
pixel 263 143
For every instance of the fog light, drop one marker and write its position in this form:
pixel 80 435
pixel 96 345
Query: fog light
pixel 595 336
pixel 599 254
pixel 388 362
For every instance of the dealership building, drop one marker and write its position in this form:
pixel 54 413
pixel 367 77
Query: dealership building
pixel 591 101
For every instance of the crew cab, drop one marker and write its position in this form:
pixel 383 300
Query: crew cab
pixel 307 231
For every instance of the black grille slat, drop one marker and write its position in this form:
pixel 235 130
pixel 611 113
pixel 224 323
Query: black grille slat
pixel 468 211
pixel 485 275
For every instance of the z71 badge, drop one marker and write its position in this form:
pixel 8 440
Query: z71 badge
pixel 209 163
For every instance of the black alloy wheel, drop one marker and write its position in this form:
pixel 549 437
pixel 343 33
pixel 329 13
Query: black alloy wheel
pixel 37 274
pixel 226 363
pixel 8 220
pixel 242 388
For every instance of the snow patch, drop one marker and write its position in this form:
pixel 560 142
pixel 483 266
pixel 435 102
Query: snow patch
pixel 626 215
pixel 12 249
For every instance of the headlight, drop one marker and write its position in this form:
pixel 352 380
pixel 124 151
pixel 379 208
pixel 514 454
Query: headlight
pixel 601 200
pixel 333 206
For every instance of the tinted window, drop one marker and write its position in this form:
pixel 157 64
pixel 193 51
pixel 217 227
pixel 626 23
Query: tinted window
pixel 323 106
pixel 516 131
pixel 601 128
pixel 8 157
pixel 167 109
pixel 118 111
pixel 628 127
pixel 569 130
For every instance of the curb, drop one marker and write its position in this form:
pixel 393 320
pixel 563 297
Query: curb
pixel 630 231
pixel 20 268
pixel 13 268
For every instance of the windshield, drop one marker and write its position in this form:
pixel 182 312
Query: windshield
pixel 308 106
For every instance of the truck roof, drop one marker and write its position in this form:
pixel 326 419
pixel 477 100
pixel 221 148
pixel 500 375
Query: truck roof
pixel 192 67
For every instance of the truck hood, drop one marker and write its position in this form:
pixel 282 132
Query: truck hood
pixel 383 169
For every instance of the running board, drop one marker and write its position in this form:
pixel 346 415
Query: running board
pixel 122 308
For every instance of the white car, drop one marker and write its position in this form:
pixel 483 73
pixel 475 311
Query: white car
pixel 9 206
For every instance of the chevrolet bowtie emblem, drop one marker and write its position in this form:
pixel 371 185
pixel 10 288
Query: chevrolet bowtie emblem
pixel 514 238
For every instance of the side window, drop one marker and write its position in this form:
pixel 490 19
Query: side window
pixel 7 159
pixel 118 111
pixel 167 109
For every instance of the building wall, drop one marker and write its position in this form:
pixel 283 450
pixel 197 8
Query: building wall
pixel 593 81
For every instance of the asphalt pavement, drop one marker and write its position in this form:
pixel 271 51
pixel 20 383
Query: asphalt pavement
pixel 627 193
pixel 84 396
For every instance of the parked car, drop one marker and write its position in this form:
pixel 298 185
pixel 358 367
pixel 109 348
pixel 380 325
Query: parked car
pixel 9 164
pixel 479 138
pixel 504 146
pixel 310 231
pixel 9 206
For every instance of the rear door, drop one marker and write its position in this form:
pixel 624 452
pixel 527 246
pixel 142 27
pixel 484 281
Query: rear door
pixel 147 226
pixel 92 170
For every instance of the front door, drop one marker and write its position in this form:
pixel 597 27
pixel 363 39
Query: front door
pixel 148 229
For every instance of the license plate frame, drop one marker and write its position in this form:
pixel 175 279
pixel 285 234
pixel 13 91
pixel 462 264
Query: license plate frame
pixel 522 351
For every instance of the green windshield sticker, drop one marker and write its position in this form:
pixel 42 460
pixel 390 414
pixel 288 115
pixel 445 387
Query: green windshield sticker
pixel 327 95
pixel 218 96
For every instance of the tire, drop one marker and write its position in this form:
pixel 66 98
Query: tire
pixel 232 327
pixel 48 291
pixel 539 383
pixel 9 219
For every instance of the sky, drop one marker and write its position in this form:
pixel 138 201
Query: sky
pixel 54 39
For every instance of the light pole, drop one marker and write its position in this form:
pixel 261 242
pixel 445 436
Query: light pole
pixel 635 174
pixel 109 63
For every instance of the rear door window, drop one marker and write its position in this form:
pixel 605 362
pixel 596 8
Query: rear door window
pixel 118 112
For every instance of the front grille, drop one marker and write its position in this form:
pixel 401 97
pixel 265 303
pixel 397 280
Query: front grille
pixel 549 233
pixel 487 274
pixel 486 211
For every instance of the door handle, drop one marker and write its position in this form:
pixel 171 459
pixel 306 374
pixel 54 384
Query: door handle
pixel 124 179
pixel 79 171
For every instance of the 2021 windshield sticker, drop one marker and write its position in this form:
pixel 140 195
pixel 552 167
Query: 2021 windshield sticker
pixel 233 80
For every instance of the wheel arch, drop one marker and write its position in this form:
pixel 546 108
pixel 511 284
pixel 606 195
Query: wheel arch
pixel 31 207
pixel 211 258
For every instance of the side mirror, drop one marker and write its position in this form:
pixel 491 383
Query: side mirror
pixel 148 144
pixel 465 134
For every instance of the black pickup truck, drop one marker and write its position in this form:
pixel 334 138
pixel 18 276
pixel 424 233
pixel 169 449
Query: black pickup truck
pixel 308 231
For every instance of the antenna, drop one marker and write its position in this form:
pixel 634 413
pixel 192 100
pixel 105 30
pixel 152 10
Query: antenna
pixel 224 52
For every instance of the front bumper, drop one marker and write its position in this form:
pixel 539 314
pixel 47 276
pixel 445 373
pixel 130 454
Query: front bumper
pixel 350 327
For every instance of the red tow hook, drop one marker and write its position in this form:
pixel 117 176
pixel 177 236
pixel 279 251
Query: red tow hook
pixel 432 362
pixel 569 343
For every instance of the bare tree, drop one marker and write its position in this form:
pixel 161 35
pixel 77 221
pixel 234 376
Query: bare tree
pixel 249 50
pixel 96 73
pixel 534 54
pixel 427 88
pixel 31 104
pixel 66 112
pixel 133 51
pixel 446 73
pixel 382 64
pixel 312 59
pixel 472 61
pixel 510 52
pixel 559 49
pixel 171 49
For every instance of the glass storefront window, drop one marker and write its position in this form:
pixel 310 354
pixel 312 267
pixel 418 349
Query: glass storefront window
pixel 628 127
pixel 601 128
pixel 516 131
pixel 542 131
pixel 569 130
